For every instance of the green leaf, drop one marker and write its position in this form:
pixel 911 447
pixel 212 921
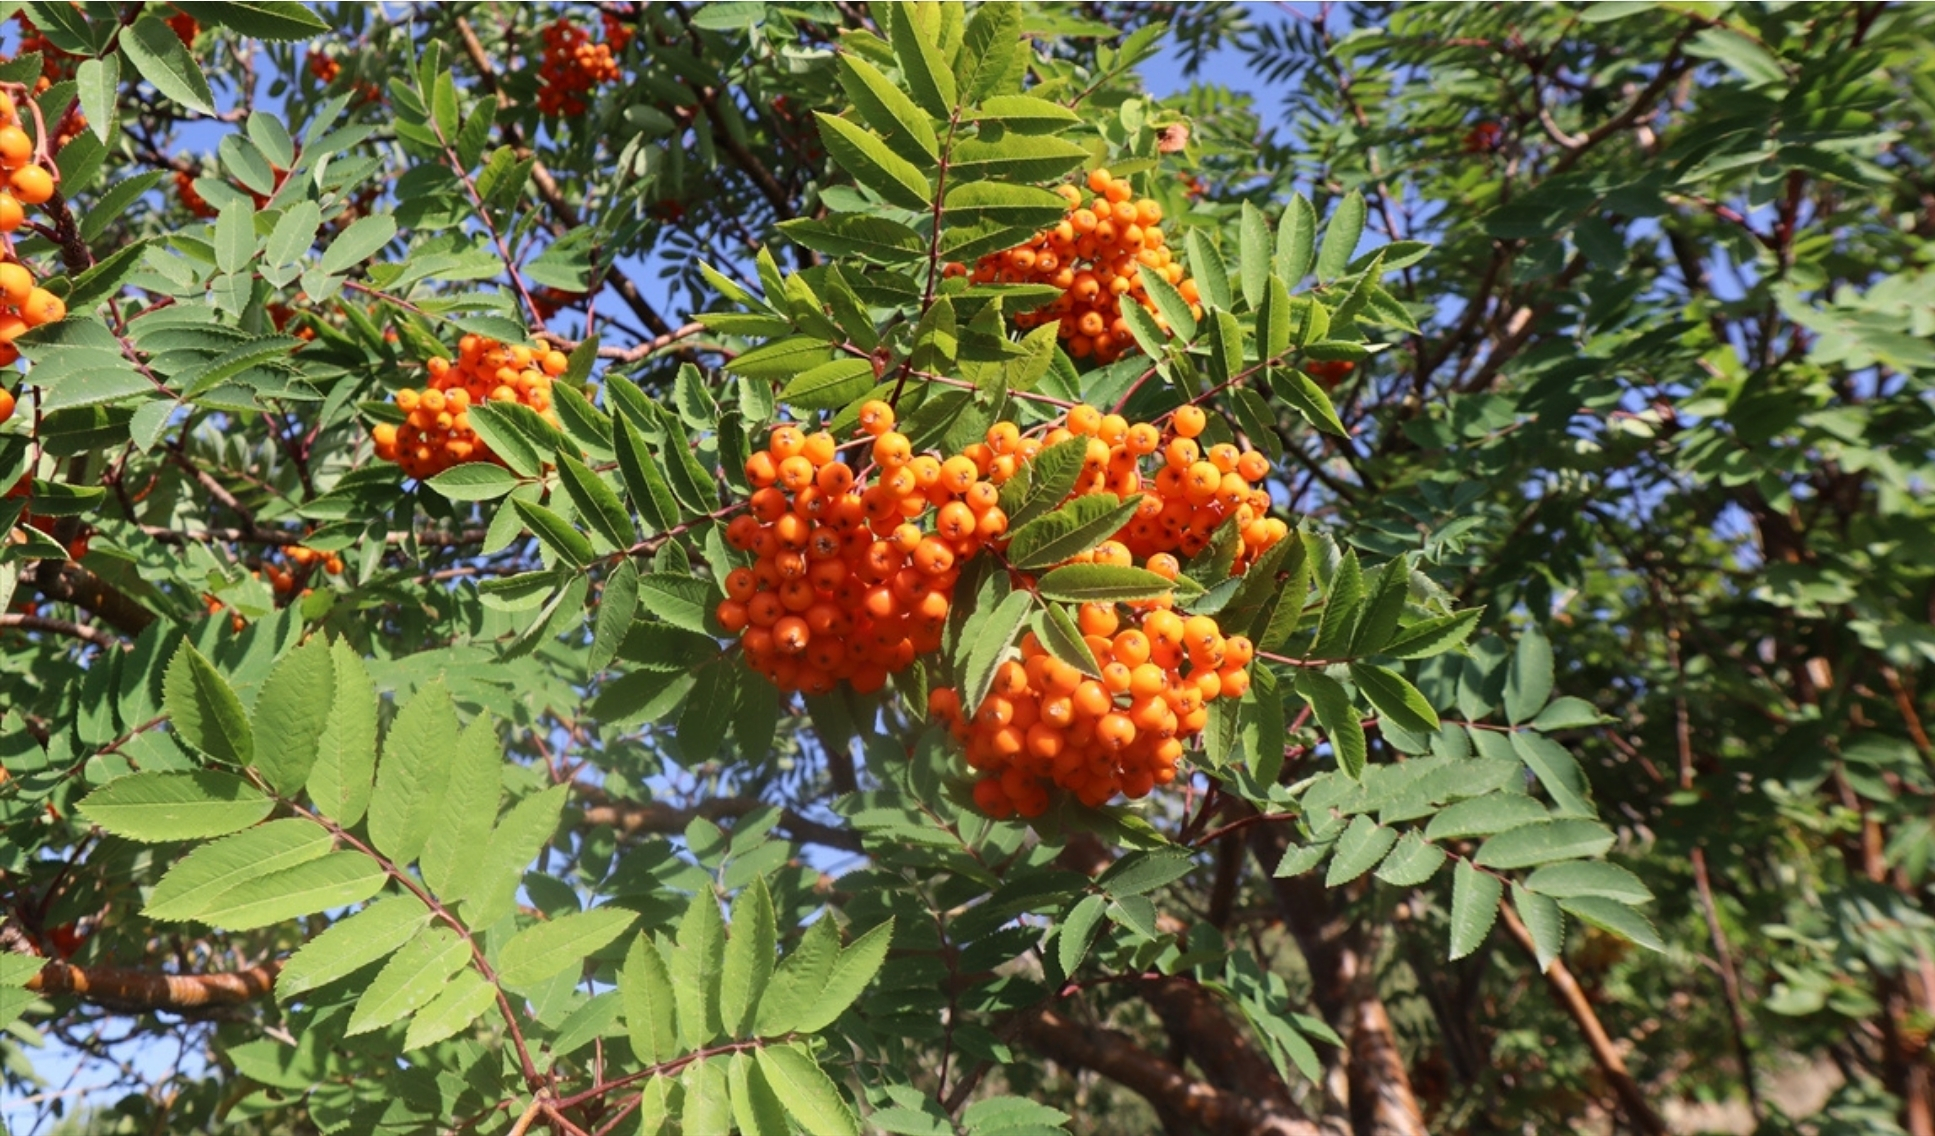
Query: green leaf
pixel 651 494
pixel 339 781
pixel 463 820
pixel 1359 849
pixel 1063 639
pixel 1618 918
pixel 755 1106
pixel 204 709
pixel 831 385
pixel 1077 931
pixel 1341 236
pixel 514 843
pixel 692 484
pixel 1015 158
pixel 352 943
pixel 810 1096
pixel 873 164
pixel 922 67
pixel 543 949
pixel 338 879
pixel 474 481
pixel 1025 114
pixel 362 240
pixel 293 709
pixel 1474 906
pixel 265 19
pixel 1395 698
pixel 410 980
pixel 1412 862
pixel 748 962
pixel 595 502
pixel 414 774
pixel 1225 348
pixel 293 234
pixel 1342 601
pixel 1747 57
pixel 460 1003
pixel 161 58
pixel 193 805
pixel 1543 842
pixel 1483 816
pixel 98 83
pixel 1529 681
pixel 988 638
pixel 695 967
pixel 1296 240
pixel 682 601
pixel 988 50
pixel 1069 531
pixel 199 880
pixel 556 534
pixel 1377 622
pixel 1435 636
pixel 1309 399
pixel 1145 871
pixel 1556 769
pixel 1104 583
pixel 1332 707
pixel 645 986
pixel 1253 247
pixel 496 430
pixel 1589 877
pixel 1568 713
pixel 887 109
pixel 1168 301
pixel 1544 921
pixel 1044 482
pixel 850 974
pixel 617 604
pixel 708 1099
pixel 1212 277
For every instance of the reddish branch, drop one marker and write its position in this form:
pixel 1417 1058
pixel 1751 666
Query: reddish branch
pixel 1181 1100
pixel 141 991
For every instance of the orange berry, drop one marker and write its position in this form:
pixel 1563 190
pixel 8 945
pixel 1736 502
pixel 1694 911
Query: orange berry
pixel 876 417
pixel 32 185
pixel 1189 421
pixel 15 146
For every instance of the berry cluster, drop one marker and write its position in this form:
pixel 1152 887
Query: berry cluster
pixel 1045 724
pixel 323 67
pixel 191 198
pixel 76 535
pixel 845 587
pixel 56 65
pixel 23 304
pixel 854 575
pixel 186 27
pixel 573 65
pixel 1094 257
pixel 1329 372
pixel 1191 492
pixel 435 433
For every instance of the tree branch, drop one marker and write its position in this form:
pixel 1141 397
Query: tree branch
pixel 643 818
pixel 140 991
pixel 1172 1092
pixel 1565 988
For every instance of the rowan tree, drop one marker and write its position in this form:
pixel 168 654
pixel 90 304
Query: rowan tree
pixel 842 567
